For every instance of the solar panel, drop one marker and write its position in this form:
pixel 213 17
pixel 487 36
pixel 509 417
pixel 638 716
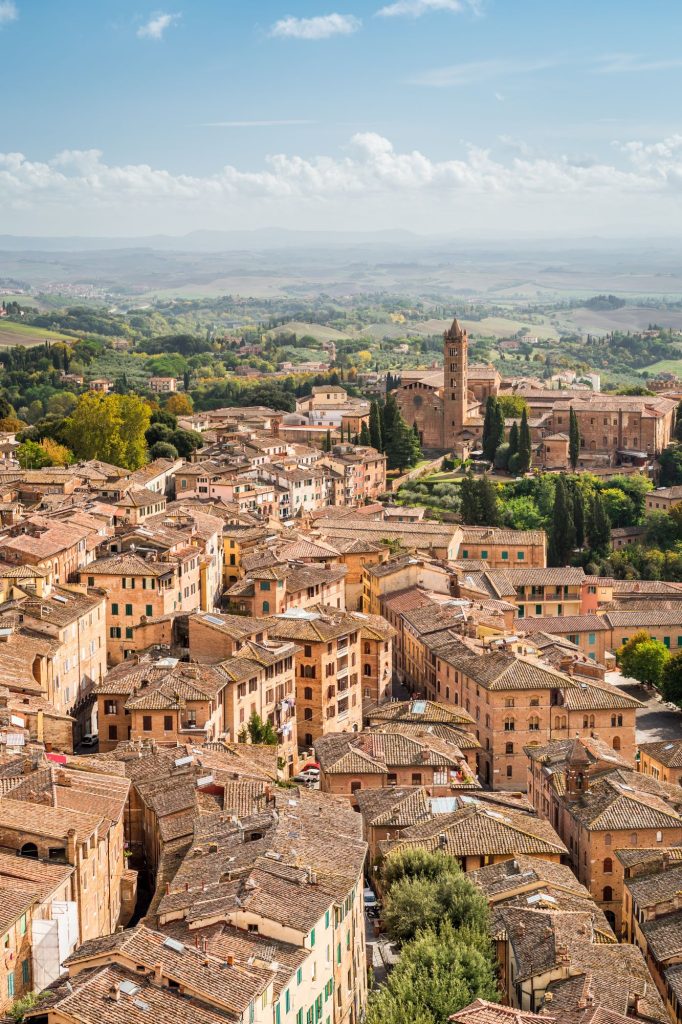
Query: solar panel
pixel 214 620
pixel 173 944
pixel 419 707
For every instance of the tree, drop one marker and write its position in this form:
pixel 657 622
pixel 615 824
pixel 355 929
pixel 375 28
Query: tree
pixel 501 460
pixel 416 862
pixel 179 405
pixel 163 450
pixel 327 442
pixel 573 439
pixel 489 512
pixel 260 731
pixel 525 445
pixel 619 507
pixel 470 510
pixel 402 447
pixel 157 432
pixel 375 435
pixel 493 428
pixel 578 513
pixel 562 527
pixel 598 526
pixel 661 530
pixel 643 658
pixel 186 441
pixel 512 406
pixel 364 435
pixel 513 439
pixel 390 413
pixel 670 462
pixel 32 455
pixel 671 683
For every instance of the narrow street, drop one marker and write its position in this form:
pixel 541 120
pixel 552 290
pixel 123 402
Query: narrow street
pixel 655 721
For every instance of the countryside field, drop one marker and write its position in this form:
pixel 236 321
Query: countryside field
pixel 23 334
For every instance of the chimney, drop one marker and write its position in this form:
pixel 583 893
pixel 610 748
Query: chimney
pixel 115 992
pixel 204 944
pixel 520 930
pixel 157 974
pixel 230 960
pixel 71 846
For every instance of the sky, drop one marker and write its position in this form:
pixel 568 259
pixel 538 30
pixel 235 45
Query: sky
pixel 467 118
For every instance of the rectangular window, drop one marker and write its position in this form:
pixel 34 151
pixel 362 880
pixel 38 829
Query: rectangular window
pixel 299 976
pixel 22 924
pixel 25 972
pixel 147 723
pixel 591 639
pixel 521 555
pixel 465 553
pixel 312 939
pixel 129 609
pixel 538 609
pixel 168 722
pixel 287 1001
pixel 505 556
pixel 666 641
pixel 326 919
pixel 484 555
pixel 91 581
pixel 113 732
pixel 148 610
pixel 10 984
pixel 114 608
pixel 265 584
pixel 129 632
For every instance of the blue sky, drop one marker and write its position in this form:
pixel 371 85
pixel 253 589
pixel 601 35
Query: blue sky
pixel 474 116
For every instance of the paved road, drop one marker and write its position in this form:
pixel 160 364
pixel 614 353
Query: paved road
pixel 655 721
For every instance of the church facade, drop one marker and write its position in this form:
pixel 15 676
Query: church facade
pixel 448 407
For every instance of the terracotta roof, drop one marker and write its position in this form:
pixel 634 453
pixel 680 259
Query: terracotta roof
pixel 667 752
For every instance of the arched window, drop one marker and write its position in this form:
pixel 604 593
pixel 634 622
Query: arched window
pixel 29 850
pixel 308 714
pixel 616 742
pixel 367 670
pixel 534 723
pixel 607 894
pixel 608 866
pixel 367 647
pixel 591 721
pixel 509 724
pixel 586 721
pixel 509 748
pixel 308 693
pixel 266 607
pixel 607 839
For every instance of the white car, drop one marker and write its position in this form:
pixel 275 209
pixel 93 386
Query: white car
pixel 369 899
pixel 308 775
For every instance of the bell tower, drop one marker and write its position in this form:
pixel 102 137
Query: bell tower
pixel 455 359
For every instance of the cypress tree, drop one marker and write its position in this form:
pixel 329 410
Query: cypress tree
pixel 364 434
pixel 469 508
pixel 573 439
pixel 487 502
pixel 390 414
pixel 598 526
pixel 499 425
pixel 349 437
pixel 578 515
pixel 525 445
pixel 375 438
pixel 562 528
pixel 490 427
pixel 513 439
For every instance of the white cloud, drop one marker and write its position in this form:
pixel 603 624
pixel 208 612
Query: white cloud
pixel 287 122
pixel 321 27
pixel 630 63
pixel 157 25
pixel 8 11
pixel 370 181
pixel 416 8
pixel 481 70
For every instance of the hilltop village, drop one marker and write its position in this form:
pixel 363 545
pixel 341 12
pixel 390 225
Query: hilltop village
pixel 247 701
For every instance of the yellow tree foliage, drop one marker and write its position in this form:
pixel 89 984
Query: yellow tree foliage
pixel 110 428
pixel 58 454
pixel 179 405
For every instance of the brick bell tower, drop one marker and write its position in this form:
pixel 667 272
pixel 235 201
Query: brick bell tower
pixel 455 363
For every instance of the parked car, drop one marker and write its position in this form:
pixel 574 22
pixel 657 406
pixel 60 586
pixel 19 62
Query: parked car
pixel 309 775
pixel 371 902
pixel 89 740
